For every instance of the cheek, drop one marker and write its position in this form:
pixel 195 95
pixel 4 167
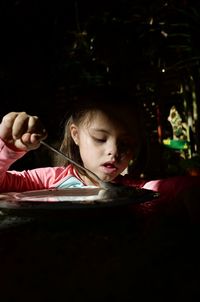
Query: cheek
pixel 84 142
pixel 86 148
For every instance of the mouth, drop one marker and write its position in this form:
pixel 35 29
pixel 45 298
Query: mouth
pixel 109 168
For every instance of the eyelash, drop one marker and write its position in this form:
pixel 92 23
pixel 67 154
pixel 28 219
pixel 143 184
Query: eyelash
pixel 99 140
pixel 121 144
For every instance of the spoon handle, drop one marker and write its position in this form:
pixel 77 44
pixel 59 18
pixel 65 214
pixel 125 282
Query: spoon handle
pixel 92 175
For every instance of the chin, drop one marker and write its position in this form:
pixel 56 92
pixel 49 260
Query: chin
pixel 108 178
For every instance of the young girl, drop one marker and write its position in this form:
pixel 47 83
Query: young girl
pixel 99 134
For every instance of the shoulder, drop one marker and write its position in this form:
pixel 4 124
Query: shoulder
pixel 174 183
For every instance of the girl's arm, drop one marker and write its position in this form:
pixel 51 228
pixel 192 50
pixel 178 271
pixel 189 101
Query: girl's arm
pixel 19 133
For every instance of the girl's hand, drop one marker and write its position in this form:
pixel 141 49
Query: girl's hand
pixel 22 131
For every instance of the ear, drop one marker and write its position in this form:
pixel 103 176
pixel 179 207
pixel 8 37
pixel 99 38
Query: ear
pixel 74 133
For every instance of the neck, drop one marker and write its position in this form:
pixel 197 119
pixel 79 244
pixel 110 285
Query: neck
pixel 86 180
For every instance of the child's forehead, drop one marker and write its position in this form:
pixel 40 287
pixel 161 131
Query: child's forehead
pixel 100 119
pixel 94 115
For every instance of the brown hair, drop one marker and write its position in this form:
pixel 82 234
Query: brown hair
pixel 117 105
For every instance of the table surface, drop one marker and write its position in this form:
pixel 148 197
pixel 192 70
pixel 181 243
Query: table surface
pixel 142 251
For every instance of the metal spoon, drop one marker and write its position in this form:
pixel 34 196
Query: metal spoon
pixel 111 190
pixel 93 176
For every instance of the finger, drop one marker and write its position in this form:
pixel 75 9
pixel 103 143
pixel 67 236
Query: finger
pixel 8 119
pixel 20 124
pixel 42 135
pixel 30 141
pixel 6 125
pixel 36 127
pixel 35 139
pixel 33 124
pixel 32 138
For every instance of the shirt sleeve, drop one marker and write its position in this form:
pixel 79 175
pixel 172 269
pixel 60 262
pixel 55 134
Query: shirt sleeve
pixel 8 156
pixel 11 181
pixel 27 180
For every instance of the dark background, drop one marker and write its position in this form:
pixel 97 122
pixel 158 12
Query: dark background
pixel 51 49
pixel 149 251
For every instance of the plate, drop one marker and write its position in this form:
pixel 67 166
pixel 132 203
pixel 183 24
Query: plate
pixel 51 201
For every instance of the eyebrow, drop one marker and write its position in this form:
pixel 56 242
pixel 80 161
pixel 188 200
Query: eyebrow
pixel 100 130
pixel 123 134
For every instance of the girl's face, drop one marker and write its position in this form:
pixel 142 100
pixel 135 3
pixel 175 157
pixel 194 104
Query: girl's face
pixel 105 147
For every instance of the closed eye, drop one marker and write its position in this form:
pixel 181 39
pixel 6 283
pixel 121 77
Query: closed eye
pixel 99 140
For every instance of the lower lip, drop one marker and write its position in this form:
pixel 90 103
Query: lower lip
pixel 108 170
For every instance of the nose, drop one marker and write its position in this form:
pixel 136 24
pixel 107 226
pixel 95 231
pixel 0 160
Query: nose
pixel 112 150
